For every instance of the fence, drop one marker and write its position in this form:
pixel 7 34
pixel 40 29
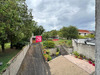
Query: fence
pixel 85 49
pixel 15 63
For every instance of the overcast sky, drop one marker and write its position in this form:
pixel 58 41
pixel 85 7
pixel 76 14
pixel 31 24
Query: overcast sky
pixel 54 14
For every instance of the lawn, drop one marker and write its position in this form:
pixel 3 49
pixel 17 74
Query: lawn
pixel 5 57
pixel 7 46
pixel 68 43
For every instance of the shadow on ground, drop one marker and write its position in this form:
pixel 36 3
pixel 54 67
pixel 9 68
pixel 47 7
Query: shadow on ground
pixel 34 63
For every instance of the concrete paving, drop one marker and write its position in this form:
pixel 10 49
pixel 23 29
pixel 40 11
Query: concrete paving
pixel 62 66
pixel 81 63
pixel 33 63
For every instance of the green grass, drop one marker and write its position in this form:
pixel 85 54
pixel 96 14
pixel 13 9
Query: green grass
pixel 7 46
pixel 7 55
pixel 60 42
pixel 68 43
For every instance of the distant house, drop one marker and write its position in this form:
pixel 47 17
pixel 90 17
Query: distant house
pixel 84 32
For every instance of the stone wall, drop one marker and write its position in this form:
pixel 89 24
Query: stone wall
pixel 14 64
pixel 86 50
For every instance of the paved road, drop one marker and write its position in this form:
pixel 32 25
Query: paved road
pixel 34 64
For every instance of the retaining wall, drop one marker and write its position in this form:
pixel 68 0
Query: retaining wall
pixel 85 49
pixel 15 63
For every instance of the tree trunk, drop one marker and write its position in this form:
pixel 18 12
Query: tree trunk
pixel 3 48
pixel 11 46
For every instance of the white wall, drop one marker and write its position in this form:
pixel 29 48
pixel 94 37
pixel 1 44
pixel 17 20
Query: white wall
pixel 87 50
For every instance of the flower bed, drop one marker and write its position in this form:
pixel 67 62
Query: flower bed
pixel 80 56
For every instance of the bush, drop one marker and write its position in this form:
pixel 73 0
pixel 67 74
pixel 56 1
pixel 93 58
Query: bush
pixel 48 51
pixel 49 44
pixel 76 53
pixel 57 53
pixel 57 50
pixel 45 55
pixel 49 40
pixel 49 58
pixel 81 37
pixel 19 45
pixel 69 43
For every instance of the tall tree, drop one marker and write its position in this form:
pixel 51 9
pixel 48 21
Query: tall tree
pixel 69 32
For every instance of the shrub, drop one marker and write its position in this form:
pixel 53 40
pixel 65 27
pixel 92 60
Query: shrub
pixel 76 53
pixel 57 50
pixel 49 44
pixel 69 43
pixel 49 40
pixel 45 55
pixel 81 37
pixel 49 58
pixel 20 44
pixel 57 53
pixel 48 51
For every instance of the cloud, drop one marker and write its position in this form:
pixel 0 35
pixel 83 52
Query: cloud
pixel 54 14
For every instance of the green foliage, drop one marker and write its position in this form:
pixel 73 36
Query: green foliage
pixel 49 44
pixel 81 37
pixel 69 43
pixel 45 55
pixel 53 33
pixel 16 22
pixel 57 53
pixel 57 50
pixel 5 57
pixel 48 51
pixel 45 36
pixel 87 36
pixel 49 58
pixel 90 36
pixel 70 32
pixel 76 53
pixel 39 30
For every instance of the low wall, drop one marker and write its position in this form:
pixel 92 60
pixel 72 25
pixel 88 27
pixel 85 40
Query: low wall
pixel 85 49
pixel 69 50
pixel 14 64
pixel 53 51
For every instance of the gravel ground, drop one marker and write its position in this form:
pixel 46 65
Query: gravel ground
pixel 33 63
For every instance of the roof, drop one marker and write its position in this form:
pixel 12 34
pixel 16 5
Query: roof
pixel 84 31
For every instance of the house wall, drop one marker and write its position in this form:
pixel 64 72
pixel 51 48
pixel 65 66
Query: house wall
pixel 86 50
pixel 83 34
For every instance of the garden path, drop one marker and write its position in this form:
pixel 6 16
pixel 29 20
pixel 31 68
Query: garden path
pixel 33 63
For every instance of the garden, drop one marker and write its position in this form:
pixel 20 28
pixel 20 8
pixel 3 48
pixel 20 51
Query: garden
pixel 82 57
pixel 49 50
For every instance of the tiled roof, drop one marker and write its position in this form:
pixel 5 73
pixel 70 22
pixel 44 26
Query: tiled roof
pixel 84 31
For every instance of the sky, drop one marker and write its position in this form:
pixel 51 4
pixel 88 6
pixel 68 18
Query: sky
pixel 54 14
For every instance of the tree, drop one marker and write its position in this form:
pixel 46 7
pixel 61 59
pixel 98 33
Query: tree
pixel 38 30
pixel 45 36
pixel 64 32
pixel 53 33
pixel 72 32
pixel 69 32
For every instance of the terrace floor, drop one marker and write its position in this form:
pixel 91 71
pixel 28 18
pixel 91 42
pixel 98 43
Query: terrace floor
pixel 69 65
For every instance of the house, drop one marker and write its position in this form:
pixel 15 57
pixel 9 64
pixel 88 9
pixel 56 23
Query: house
pixel 84 32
